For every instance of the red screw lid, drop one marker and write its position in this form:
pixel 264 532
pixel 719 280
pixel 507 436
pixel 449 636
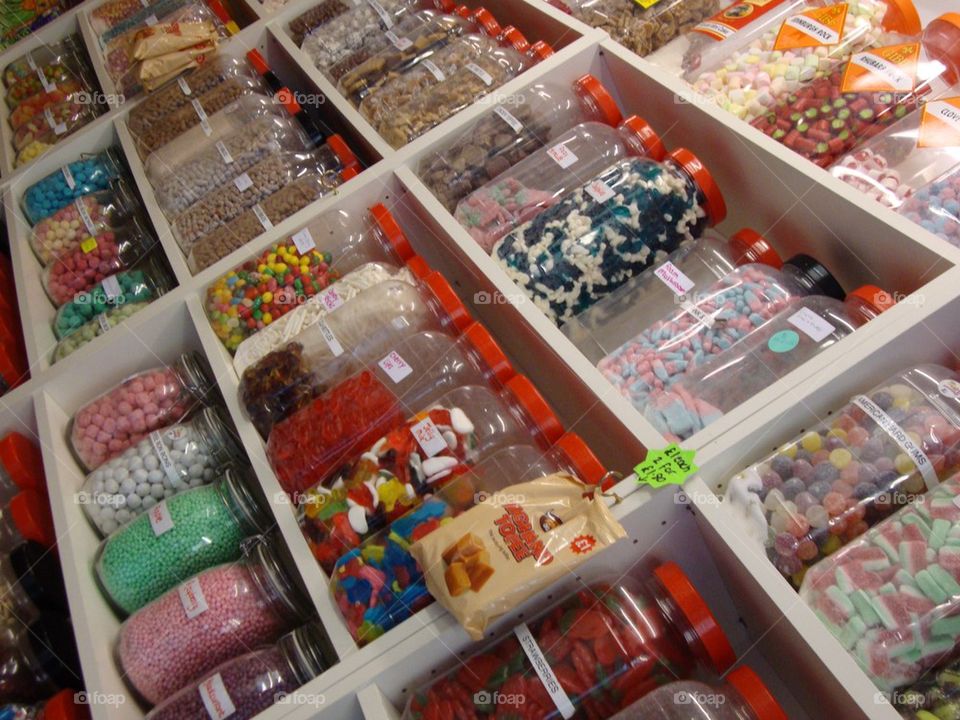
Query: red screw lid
pixel 418 267
pixel 642 139
pixel 598 96
pixel 487 22
pixel 749 246
pixel 22 461
pixel 258 62
pixel 584 462
pixel 31 514
pixel 876 299
pixel 389 228
pixel 63 706
pixel 540 51
pixel 446 6
pixel 902 17
pixel 9 372
pixel 698 615
pixel 516 39
pixel 451 304
pixel 464 12
pixel 285 97
pixel 536 407
pixel 714 205
pixel 489 351
pixel 348 174
pixel 342 151
pixel 755 694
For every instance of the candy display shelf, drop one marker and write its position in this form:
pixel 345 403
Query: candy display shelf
pixel 798 206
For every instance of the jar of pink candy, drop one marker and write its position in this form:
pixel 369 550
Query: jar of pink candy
pixel 144 402
pixel 877 453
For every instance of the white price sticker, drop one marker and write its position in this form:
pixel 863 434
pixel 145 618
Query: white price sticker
pixel 68 177
pixel 58 128
pixel 46 84
pixel 330 299
pixel 671 276
pixel 103 322
pixel 395 367
pixel 699 315
pixel 600 191
pixel 202 114
pixel 192 598
pixel 111 287
pixel 243 182
pixel 900 437
pixel 811 324
pixel 542 667
pixel 428 437
pixel 163 455
pixel 160 518
pixel 484 76
pixel 336 349
pixel 400 43
pixel 262 217
pixel 303 241
pixel 384 15
pixel 562 155
pixel 505 115
pixel 85 216
pixel 150 20
pixel 184 88
pixel 216 699
pixel 432 68
pixel 31 62
pixel 224 153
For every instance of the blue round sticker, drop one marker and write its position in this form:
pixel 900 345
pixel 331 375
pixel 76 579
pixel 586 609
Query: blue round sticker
pixel 783 341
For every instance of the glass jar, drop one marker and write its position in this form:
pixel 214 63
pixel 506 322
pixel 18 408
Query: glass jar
pixel 94 328
pixel 935 206
pixel 538 182
pixel 144 402
pixel 802 330
pixel 21 466
pixel 26 517
pixel 32 669
pixel 640 210
pixel 177 538
pixel 358 331
pixel 212 617
pixel 167 461
pixel 251 683
pixel 60 188
pixel 377 584
pixel 605 655
pixel 719 316
pixel 877 453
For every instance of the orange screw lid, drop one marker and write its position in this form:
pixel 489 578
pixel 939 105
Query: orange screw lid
pixel 464 12
pixel 21 459
pixel 536 407
pixel 642 139
pixel 9 372
pixel 902 17
pixel 448 300
pixel 591 88
pixel 31 514
pixel 390 229
pixel 875 298
pixel 489 351
pixel 63 706
pixel 588 468
pixel 714 205
pixel 258 62
pixel 418 267
pixel 540 51
pixel 755 694
pixel 516 39
pixel 342 151
pixel 941 40
pixel 446 6
pixel 749 246
pixel 348 173
pixel 289 102
pixel 487 22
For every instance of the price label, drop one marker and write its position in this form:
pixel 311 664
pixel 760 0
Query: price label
pixel 330 299
pixel 484 76
pixel 111 287
pixel 46 84
pixel 336 349
pixel 432 68
pixel 303 241
pixel 428 437
pixel 224 153
pixel 150 20
pixel 670 466
pixel 400 43
pixel 508 117
pixel 811 324
pixel 160 519
pixel 103 323
pixel 562 155
pixel 385 17
pixel 599 191
pixel 85 216
pixel 163 455
pixel 192 598
pixel 395 367
pixel 184 88
pixel 243 182
pixel 68 177
pixel 216 699
pixel 670 275
pixel 202 114
pixel 262 217
pixel 88 245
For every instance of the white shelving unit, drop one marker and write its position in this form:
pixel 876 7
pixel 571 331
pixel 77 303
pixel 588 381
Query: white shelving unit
pixel 797 205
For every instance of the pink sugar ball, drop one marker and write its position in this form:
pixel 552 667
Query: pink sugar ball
pixel 150 408
pixel 124 408
pixel 149 383
pixel 123 425
pixel 142 398
pixel 116 445
pixel 153 420
pixel 91 431
pixel 136 386
pixel 110 425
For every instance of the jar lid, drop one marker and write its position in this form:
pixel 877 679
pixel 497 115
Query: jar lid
pixel 22 460
pixel 215 428
pixel 30 512
pixel 451 304
pixel 271 575
pixel 756 695
pixel 224 16
pixel 875 298
pixel 63 706
pixel 815 276
pixel 697 614
pixel 714 205
pixel 258 62
pixel 516 39
pixel 487 22
pixel 588 468
pixel 289 102
pixel 342 151
pixel 941 41
pixel 308 650
pixel 592 88
pixel 642 139
pixel 902 17
pixel 390 228
pixel 540 50
pixel 196 374
pixel 446 6
pixel 536 407
pixel 749 246
pixel 348 173
pixel 238 497
pixel 464 12
pixel 489 351
pixel 418 267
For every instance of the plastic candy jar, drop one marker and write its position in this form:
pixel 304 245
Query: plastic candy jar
pixel 62 187
pixel 212 617
pixel 936 207
pixel 94 328
pixel 251 683
pixel 26 517
pixel 32 669
pixel 302 24
pixel 176 539
pixel 743 300
pixel 639 210
pixel 165 462
pixel 140 404
pixel 21 466
pixel 873 455
pixel 803 329
pixel 539 181
pixel 605 654
pixel 932 698
pixel 61 706
pixel 378 584
pixel 16 604
pixel 39 57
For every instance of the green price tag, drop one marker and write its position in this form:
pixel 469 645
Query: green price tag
pixel 670 466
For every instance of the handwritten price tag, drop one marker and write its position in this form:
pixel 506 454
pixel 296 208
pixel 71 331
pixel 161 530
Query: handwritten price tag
pixel 428 437
pixel 670 466
pixel 395 366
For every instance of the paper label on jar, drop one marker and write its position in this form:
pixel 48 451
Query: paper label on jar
pixel 31 62
pixel 160 518
pixel 303 241
pixel 68 177
pixel 432 68
pixel 46 84
pixel 385 17
pixel 150 20
pixel 243 182
pixel 395 367
pixel 484 76
pixel 163 455
pixel 949 388
pixel 336 349
pixel 505 115
pixel 184 88
pixel 85 215
pixel 428 437
pixel 103 322
pixel 330 299
pixel 58 128
pixel 562 155
pixel 400 43
pixel 216 699
pixel 262 217
pixel 671 276
pixel 111 287
pixel 940 124
pixel 900 437
pixel 887 69
pixel 599 191
pixel 542 667
pixel 819 27
pixel 699 315
pixel 735 17
pixel 202 114
pixel 192 598
pixel 224 153
pixel 811 324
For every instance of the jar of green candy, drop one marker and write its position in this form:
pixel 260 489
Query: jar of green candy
pixel 93 329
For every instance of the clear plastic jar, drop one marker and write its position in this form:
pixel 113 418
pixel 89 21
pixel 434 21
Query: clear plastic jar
pixel 16 604
pixel 642 635
pixel 721 315
pixel 316 16
pixel 166 462
pixel 34 572
pixel 376 583
pixel 60 188
pixel 41 56
pixel 62 706
pixel 640 210
pixel 39 659
pixel 933 697
pixel 21 466
pixel 214 616
pixel 877 453
pixel 728 379
pixel 144 402
pixel 26 517
pixel 359 331
pixel 863 98
pixel 538 182
pixel 33 108
pixel 94 328
pixel 936 208
pixel 58 71
pixel 177 538
pixel 334 40
pixel 251 683
pixel 519 125
pixel 65 114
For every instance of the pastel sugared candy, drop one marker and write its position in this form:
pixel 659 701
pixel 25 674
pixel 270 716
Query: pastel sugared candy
pixel 937 207
pixel 60 188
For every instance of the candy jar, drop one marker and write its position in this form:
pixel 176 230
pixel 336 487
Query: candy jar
pixel 639 211
pixel 94 328
pixel 936 207
pixel 38 659
pixel 175 539
pixel 656 292
pixel 787 53
pixel 875 454
pixel 212 617
pixel 378 584
pixel 26 517
pixel 322 13
pixel 357 332
pixel 251 683
pixel 165 462
pixel 720 315
pixel 802 330
pixel 39 57
pixel 16 605
pixel 21 466
pixel 60 188
pixel 34 573
pixel 536 183
pixel 140 404
pixel 829 116
pixel 932 698
pixel 605 653
pixel 62 706
pixel 342 509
